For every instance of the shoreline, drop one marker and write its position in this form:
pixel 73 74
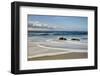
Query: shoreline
pixel 48 54
pixel 57 48
pixel 72 55
pixel 52 51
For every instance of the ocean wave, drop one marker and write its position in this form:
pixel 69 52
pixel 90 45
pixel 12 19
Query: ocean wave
pixel 66 48
pixel 45 33
pixel 65 45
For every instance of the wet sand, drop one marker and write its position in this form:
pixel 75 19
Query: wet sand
pixel 73 55
pixel 37 52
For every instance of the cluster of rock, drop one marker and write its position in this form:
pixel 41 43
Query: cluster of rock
pixel 74 39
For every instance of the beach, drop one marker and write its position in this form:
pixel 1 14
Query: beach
pixel 53 49
pixel 57 37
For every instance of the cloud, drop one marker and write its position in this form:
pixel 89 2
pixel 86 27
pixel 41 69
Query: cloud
pixel 36 25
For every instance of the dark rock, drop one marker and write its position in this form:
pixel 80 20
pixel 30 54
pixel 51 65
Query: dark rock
pixel 62 38
pixel 75 39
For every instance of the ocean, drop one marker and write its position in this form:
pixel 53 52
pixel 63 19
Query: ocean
pixel 45 35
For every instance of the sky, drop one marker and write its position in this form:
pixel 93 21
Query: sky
pixel 62 23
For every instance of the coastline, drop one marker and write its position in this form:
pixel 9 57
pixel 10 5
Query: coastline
pixel 41 52
pixel 52 38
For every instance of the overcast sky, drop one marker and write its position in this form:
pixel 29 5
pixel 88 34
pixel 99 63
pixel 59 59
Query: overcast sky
pixel 61 23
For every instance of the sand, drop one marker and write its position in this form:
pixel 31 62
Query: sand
pixel 73 55
pixel 36 52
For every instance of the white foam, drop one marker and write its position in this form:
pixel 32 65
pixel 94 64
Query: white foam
pixel 48 54
pixel 68 50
